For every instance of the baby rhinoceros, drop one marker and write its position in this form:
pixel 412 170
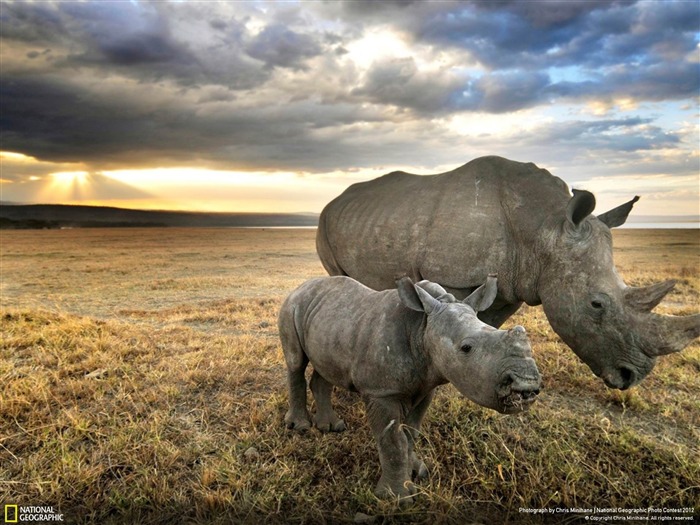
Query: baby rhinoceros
pixel 395 347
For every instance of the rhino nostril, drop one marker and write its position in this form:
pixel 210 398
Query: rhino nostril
pixel 627 375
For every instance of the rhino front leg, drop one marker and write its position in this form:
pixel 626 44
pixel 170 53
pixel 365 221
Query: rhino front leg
pixel 413 422
pixel 326 419
pixel 385 419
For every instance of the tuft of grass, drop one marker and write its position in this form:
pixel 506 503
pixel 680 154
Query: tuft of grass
pixel 158 396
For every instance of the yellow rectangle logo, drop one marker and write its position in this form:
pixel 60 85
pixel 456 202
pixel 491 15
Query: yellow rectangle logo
pixel 11 513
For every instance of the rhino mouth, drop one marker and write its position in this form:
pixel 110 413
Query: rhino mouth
pixel 517 401
pixel 516 394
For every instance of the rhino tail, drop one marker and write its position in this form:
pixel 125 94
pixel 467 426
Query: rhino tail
pixel 324 249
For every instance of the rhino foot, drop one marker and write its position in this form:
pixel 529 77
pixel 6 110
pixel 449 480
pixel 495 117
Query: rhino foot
pixel 330 426
pixel 298 422
pixel 420 471
pixel 404 492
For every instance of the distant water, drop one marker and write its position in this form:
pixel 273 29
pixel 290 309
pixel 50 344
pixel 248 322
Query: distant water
pixel 663 225
pixel 671 222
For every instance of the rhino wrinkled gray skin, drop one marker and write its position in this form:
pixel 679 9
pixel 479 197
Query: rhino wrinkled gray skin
pixel 521 222
pixel 394 348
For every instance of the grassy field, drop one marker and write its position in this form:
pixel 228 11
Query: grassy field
pixel 143 382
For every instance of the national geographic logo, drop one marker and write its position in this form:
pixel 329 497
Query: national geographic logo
pixel 10 513
pixel 31 514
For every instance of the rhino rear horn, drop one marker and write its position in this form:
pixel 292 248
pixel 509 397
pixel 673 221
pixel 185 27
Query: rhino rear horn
pixel 617 216
pixel 580 206
pixel 647 297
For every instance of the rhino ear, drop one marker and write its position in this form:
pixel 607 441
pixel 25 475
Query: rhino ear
pixel 580 206
pixel 483 297
pixel 433 289
pixel 414 297
pixel 617 216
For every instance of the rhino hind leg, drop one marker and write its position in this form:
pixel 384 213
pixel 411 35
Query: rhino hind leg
pixel 326 419
pixel 297 417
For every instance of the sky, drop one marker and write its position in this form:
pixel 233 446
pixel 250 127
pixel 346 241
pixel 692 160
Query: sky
pixel 279 106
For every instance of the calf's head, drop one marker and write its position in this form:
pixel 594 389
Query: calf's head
pixel 493 368
pixel 608 324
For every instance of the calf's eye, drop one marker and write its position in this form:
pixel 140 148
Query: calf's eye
pixel 466 348
pixel 596 304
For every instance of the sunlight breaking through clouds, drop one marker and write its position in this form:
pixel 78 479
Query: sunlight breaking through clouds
pixel 268 99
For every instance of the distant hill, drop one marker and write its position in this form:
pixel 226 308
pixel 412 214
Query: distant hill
pixel 22 216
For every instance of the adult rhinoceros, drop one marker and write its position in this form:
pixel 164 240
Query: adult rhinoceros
pixel 495 215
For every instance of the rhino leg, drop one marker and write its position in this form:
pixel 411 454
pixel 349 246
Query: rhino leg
pixel 297 416
pixel 413 423
pixel 326 419
pixel 385 419
pixel 497 314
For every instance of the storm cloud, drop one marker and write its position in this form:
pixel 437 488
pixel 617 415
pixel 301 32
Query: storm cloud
pixel 339 86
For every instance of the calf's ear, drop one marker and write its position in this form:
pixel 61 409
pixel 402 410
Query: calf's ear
pixel 483 297
pixel 414 297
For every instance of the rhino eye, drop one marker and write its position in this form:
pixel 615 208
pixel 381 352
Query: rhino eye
pixel 596 304
pixel 466 348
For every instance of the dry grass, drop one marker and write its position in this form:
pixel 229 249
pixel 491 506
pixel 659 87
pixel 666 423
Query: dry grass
pixel 143 382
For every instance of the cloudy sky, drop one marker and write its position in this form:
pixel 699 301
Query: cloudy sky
pixel 278 106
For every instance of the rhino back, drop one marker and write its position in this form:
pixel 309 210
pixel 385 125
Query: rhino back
pixel 453 228
pixel 358 338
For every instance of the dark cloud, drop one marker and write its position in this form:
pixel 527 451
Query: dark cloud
pixel 398 82
pixel 277 86
pixel 508 91
pixel 550 33
pixel 142 49
pixel 665 81
pixel 278 46
pixel 545 14
pixel 623 135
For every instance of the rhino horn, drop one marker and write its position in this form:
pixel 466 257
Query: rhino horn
pixel 647 297
pixel 617 216
pixel 676 333
pixel 580 206
pixel 517 333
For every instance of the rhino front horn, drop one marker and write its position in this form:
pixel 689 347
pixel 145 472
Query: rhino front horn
pixel 647 297
pixel 517 332
pixel 676 332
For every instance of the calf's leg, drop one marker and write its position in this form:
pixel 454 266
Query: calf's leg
pixel 385 419
pixel 413 422
pixel 297 416
pixel 326 419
